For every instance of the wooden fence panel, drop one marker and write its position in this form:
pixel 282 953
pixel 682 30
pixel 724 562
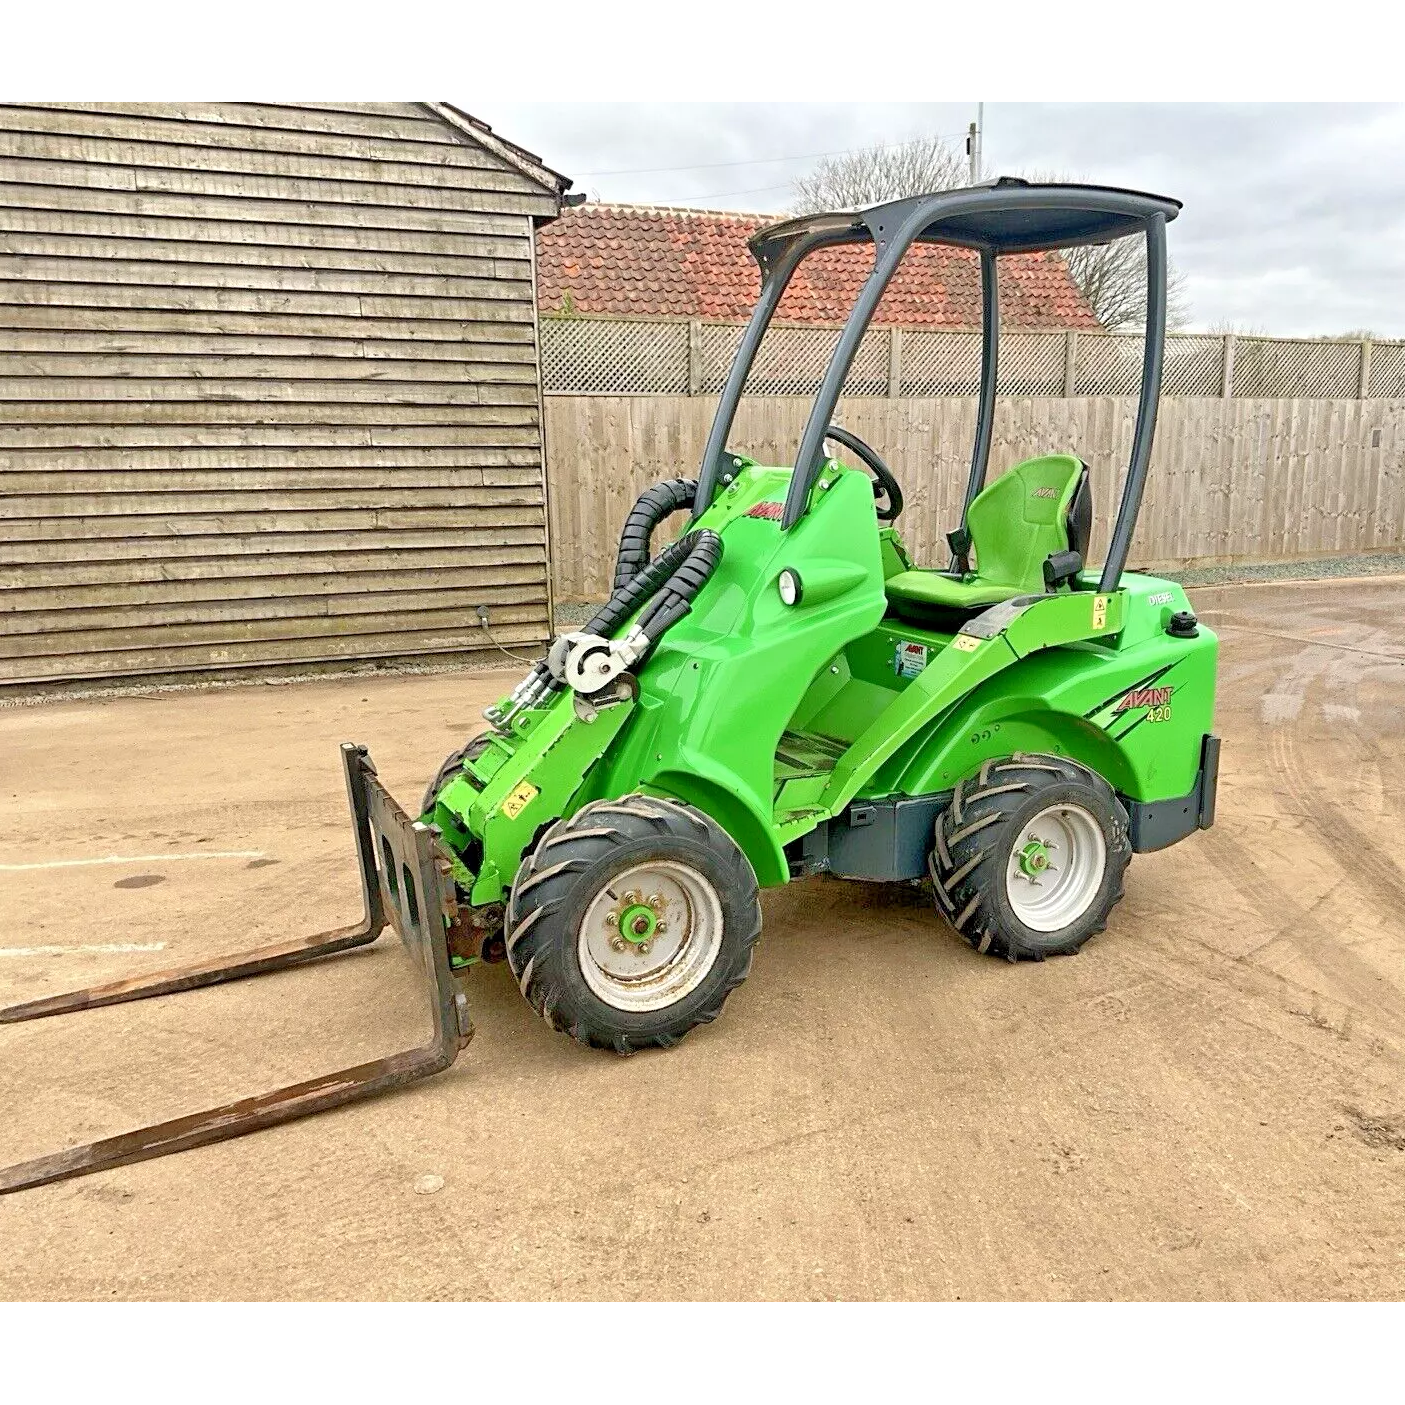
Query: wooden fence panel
pixel 1231 479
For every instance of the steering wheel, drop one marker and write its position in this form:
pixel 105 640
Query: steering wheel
pixel 887 495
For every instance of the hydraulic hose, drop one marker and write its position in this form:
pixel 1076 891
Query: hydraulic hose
pixel 677 596
pixel 629 596
pixel 625 600
pixel 656 503
pixel 674 578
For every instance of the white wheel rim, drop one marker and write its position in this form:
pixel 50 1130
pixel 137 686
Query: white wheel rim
pixel 650 936
pixel 1056 867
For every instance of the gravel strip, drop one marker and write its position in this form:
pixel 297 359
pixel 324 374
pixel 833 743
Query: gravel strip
pixel 1372 564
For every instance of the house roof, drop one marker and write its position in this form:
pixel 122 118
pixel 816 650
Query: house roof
pixel 660 261
pixel 529 164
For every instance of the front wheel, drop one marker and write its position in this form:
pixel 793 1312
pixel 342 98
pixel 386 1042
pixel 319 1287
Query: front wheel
pixel 631 922
pixel 453 764
pixel 1028 858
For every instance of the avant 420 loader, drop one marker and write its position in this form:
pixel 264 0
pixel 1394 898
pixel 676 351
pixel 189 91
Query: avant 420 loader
pixel 785 691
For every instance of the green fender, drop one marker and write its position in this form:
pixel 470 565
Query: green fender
pixel 1079 701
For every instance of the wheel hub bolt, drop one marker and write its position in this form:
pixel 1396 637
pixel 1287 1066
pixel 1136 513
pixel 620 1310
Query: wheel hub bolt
pixel 1033 858
pixel 644 948
pixel 618 944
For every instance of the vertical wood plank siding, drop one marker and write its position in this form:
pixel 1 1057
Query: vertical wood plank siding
pixel 268 390
pixel 1230 480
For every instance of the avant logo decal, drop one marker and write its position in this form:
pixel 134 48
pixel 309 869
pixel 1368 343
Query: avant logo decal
pixel 1144 697
pixel 909 659
pixel 1045 493
pixel 1147 700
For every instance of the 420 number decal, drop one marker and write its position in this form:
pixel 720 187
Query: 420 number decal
pixel 1147 700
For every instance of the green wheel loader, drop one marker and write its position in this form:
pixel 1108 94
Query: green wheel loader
pixel 785 691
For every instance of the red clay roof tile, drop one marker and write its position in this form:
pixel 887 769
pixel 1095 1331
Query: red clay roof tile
pixel 640 261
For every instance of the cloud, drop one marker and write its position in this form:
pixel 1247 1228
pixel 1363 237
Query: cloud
pixel 1294 216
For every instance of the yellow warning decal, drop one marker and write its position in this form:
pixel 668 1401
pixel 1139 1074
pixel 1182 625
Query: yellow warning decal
pixel 967 643
pixel 1100 612
pixel 518 798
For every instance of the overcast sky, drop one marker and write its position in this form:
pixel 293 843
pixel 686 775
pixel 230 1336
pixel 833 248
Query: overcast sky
pixel 1294 219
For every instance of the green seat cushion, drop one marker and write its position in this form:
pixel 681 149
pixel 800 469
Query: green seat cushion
pixel 1020 520
pixel 1015 524
pixel 935 588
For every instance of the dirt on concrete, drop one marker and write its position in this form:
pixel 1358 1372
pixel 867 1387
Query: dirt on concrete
pixel 1208 1102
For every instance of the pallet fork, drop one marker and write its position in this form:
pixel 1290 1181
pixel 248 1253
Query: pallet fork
pixel 406 884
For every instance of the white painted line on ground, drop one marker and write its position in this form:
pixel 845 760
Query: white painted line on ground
pixel 138 858
pixel 103 948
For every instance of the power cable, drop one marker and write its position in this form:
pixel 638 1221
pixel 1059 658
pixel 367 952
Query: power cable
pixel 483 620
pixel 770 160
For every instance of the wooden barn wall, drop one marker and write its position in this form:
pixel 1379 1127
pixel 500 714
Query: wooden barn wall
pixel 1230 480
pixel 268 390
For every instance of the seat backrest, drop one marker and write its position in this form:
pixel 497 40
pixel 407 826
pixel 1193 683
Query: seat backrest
pixel 1023 518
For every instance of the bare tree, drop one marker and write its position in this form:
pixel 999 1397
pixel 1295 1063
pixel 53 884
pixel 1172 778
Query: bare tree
pixel 877 173
pixel 1227 326
pixel 1111 277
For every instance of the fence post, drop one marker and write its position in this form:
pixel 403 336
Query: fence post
pixel 1365 381
pixel 895 362
pixel 1227 384
pixel 694 357
pixel 1070 363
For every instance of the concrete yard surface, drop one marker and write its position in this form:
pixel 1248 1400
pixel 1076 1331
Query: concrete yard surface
pixel 1208 1102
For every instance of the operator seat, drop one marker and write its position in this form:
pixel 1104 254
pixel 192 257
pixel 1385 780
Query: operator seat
pixel 1035 512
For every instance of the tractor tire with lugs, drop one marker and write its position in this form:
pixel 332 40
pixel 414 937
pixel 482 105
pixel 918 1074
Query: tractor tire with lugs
pixel 1028 858
pixel 631 922
pixel 453 763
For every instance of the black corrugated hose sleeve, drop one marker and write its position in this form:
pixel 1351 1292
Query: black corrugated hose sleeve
pixel 681 569
pixel 630 596
pixel 656 503
pixel 625 600
pixel 676 598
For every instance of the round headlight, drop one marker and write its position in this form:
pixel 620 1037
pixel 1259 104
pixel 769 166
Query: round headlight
pixel 788 583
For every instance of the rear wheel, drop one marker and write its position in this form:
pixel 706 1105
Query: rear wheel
pixel 1029 856
pixel 631 922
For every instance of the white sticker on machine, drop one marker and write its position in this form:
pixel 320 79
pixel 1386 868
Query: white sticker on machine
pixel 911 659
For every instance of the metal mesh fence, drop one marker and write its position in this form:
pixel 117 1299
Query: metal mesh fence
pixel 1192 365
pixel 792 360
pixel 596 355
pixel 1387 370
pixel 1297 368
pixel 941 363
pixel 590 355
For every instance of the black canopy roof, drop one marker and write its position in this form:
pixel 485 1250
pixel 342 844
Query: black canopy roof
pixel 1006 216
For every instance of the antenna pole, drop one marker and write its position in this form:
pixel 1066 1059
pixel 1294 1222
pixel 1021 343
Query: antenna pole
pixel 974 134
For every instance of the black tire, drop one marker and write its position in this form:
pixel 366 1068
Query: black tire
pixel 452 764
pixel 572 865
pixel 975 840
